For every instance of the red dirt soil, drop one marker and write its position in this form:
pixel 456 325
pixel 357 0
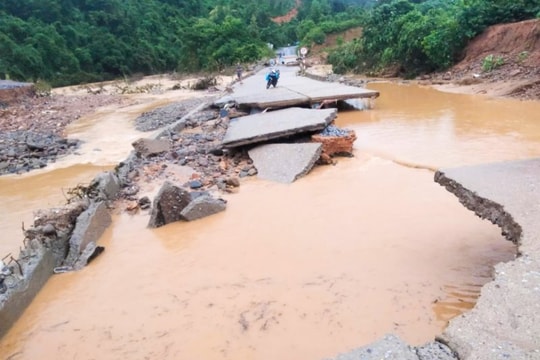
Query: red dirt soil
pixel 518 44
pixel 289 16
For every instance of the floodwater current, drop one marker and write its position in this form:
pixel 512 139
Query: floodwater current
pixel 307 270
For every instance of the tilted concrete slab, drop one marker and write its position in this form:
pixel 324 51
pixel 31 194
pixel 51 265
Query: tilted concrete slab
pixel 275 124
pixel 272 98
pixel 292 90
pixel 505 323
pixel 318 91
pixel 285 162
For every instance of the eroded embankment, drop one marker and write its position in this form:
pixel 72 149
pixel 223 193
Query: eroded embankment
pixel 504 323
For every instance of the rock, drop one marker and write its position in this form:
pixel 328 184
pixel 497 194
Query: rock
pixel 435 351
pixel 144 202
pixel 202 161
pixel 150 147
pixel 233 181
pixel 105 186
pixel 202 206
pixel 195 184
pixel 49 230
pixel 168 204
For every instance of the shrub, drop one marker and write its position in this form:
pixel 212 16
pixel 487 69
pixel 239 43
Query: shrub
pixel 491 62
pixel 522 56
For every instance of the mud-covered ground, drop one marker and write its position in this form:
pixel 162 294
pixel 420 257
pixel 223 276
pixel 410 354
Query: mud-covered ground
pixel 32 130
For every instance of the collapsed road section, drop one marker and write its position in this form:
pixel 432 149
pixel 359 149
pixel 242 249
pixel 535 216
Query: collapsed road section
pixel 504 324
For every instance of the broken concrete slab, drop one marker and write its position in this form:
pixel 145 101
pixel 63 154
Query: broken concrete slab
pixel 393 348
pixel 279 97
pixel 285 162
pixel 46 248
pixel 318 91
pixel 36 270
pixel 203 206
pixel 168 204
pixel 150 147
pixel 292 90
pixel 89 227
pixel 277 124
pixel 435 350
pixel 389 347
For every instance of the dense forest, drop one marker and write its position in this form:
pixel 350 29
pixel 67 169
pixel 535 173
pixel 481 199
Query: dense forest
pixel 424 36
pixel 76 41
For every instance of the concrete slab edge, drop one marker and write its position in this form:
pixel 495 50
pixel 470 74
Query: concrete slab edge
pixel 41 254
pixel 446 346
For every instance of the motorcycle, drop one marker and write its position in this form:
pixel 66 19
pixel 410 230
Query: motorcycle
pixel 272 78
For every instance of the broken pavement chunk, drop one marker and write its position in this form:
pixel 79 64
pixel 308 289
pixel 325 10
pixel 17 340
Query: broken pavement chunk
pixel 285 162
pixel 277 124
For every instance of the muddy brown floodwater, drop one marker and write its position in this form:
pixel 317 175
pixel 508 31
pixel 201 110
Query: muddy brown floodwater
pixel 301 271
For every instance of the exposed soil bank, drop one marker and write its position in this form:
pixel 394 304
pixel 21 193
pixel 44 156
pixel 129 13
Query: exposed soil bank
pixel 502 61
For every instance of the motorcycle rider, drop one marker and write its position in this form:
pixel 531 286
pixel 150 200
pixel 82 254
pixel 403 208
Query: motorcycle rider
pixel 272 78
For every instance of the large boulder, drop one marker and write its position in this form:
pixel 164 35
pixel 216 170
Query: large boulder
pixel 203 206
pixel 168 205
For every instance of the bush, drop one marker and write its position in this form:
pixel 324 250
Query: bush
pixel 491 62
pixel 42 88
pixel 315 35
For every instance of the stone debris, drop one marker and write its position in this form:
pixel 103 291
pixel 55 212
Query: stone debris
pixel 151 147
pixel 174 203
pixel 285 162
pixel 105 186
pixel 335 141
pixel 168 204
pixel 202 206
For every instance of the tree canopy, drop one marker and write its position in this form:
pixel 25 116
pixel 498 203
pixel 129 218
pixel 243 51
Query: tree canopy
pixel 422 36
pixel 75 41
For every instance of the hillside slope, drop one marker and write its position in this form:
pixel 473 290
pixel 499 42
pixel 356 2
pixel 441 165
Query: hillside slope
pixel 504 61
